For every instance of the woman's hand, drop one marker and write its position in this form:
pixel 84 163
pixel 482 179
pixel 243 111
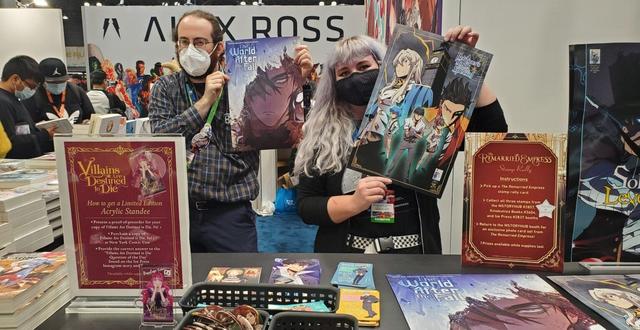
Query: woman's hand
pixel 303 60
pixel 370 190
pixel 464 34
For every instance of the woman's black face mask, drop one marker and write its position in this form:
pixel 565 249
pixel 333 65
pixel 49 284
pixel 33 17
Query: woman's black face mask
pixel 356 89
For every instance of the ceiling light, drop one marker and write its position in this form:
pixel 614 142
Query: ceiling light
pixel 65 17
pixel 321 3
pixel 242 3
pixel 41 3
pixel 87 4
pixel 99 4
pixel 333 3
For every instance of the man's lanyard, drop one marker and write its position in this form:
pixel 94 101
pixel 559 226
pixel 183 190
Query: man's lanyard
pixel 60 112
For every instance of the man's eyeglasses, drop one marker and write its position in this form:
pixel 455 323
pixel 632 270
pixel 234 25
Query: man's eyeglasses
pixel 200 43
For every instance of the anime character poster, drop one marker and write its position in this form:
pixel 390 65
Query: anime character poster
pixel 156 294
pixel 383 15
pixel 295 271
pixel 614 297
pixel 497 301
pixel 603 188
pixel 236 275
pixel 265 93
pixel 419 110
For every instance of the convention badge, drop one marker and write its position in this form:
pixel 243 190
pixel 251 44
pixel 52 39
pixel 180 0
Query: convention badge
pixel 350 180
pixel 190 156
pixel 23 129
pixel 383 211
pixel 156 296
pixel 203 138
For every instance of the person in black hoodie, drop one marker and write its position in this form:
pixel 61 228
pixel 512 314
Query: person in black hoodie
pixel 58 98
pixel 20 77
pixel 339 200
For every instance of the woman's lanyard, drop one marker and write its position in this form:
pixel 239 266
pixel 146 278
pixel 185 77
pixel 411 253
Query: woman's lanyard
pixel 60 112
pixel 203 137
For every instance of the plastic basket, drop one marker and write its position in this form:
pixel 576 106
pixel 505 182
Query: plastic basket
pixel 188 318
pixel 257 295
pixel 312 321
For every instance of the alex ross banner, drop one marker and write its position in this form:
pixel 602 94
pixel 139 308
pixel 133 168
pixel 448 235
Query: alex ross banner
pixel 128 41
pixel 124 207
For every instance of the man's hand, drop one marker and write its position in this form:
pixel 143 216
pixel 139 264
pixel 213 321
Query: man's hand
pixel 462 33
pixel 51 130
pixel 303 60
pixel 214 84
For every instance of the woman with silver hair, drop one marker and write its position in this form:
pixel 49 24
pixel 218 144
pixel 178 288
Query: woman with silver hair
pixel 337 199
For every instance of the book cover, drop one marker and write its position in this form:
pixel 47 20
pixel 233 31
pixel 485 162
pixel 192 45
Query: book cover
pixel 419 110
pixel 295 271
pixel 603 186
pixel 107 124
pixel 614 297
pixel 21 271
pixel 24 177
pixel 349 274
pixel 245 275
pixel 498 301
pixel 265 93
pixel 514 199
pixel 156 295
pixel 62 125
pixel 364 305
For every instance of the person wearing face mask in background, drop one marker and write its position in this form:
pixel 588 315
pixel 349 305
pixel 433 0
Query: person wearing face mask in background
pixel 338 200
pixel 20 77
pixel 193 102
pixel 58 98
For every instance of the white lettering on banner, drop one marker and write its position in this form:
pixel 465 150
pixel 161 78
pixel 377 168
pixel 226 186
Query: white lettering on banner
pixel 131 33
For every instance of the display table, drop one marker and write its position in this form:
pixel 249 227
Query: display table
pixel 392 317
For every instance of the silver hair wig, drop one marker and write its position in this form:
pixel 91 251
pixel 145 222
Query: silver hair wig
pixel 327 133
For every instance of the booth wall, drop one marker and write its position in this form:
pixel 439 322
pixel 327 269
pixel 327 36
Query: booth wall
pixel 34 32
pixel 529 72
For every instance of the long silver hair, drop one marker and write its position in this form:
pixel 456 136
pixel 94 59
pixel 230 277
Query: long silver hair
pixel 328 132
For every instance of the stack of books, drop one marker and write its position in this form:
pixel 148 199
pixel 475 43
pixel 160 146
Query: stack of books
pixel 105 124
pixel 51 197
pixel 80 129
pixel 9 165
pixel 44 162
pixel 24 211
pixel 33 287
pixel 23 177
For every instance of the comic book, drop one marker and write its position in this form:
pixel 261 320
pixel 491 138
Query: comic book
pixel 364 305
pixel 295 271
pixel 356 275
pixel 265 93
pixel 603 188
pixel 247 275
pixel 19 272
pixel 496 301
pixel 614 297
pixel 419 110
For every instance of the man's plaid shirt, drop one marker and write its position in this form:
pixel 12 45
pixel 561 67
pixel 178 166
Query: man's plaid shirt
pixel 217 172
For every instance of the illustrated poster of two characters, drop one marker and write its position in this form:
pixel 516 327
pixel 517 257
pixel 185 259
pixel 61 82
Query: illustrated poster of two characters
pixel 603 187
pixel 419 110
pixel 265 93
pixel 498 301
pixel 614 297
pixel 383 15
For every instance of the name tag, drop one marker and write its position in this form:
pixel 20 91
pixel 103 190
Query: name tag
pixel 384 211
pixel 23 129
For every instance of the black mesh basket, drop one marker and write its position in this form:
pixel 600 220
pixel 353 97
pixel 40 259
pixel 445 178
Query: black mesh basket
pixel 256 295
pixel 312 321
pixel 188 318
